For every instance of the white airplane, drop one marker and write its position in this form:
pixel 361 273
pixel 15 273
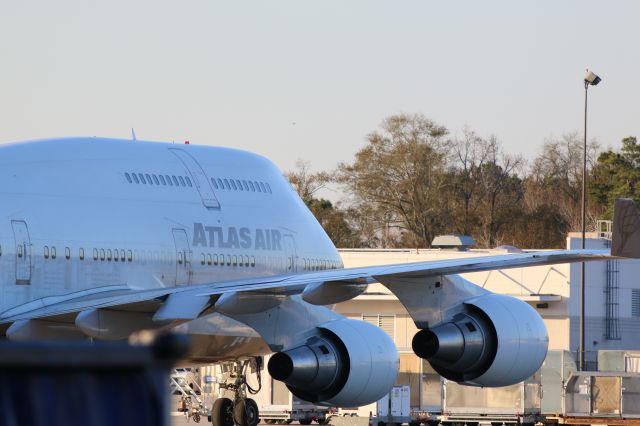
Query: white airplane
pixel 102 238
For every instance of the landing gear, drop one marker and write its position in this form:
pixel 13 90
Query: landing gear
pixel 222 412
pixel 235 408
pixel 245 412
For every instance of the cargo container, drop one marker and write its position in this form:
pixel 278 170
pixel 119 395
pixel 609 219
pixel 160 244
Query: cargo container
pixel 516 404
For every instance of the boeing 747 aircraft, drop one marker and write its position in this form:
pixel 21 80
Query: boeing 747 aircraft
pixel 102 238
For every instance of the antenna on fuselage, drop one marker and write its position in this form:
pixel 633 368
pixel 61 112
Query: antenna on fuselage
pixel 133 135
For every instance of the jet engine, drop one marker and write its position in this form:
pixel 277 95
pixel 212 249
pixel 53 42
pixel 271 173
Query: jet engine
pixel 495 340
pixel 342 362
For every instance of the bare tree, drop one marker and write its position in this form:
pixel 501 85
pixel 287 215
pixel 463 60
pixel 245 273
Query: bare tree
pixel 401 175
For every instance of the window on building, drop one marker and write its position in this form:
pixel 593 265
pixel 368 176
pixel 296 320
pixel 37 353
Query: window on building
pixel 635 302
pixel 386 322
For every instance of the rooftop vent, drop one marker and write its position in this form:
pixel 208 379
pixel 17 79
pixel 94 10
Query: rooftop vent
pixel 453 242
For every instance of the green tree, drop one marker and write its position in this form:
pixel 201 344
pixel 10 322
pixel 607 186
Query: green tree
pixel 616 175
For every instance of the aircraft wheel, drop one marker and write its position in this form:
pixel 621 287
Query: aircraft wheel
pixel 222 412
pixel 245 412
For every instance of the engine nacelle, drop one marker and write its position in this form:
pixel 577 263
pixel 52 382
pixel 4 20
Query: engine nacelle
pixel 343 363
pixel 495 341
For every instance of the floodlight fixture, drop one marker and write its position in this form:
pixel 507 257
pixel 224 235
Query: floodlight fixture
pixel 591 78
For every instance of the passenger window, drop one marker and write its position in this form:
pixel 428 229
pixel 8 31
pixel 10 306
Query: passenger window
pixel 257 186
pixel 226 183
pixel 252 187
pixel 239 184
pixel 164 182
pixel 115 255
pixel 19 251
pixel 46 252
pixel 188 181
pixel 53 252
pixel 182 181
pixel 214 183
pixel 233 185
pixel 102 256
pixel 169 182
pixel 220 184
pixel 268 187
pixel 95 254
pixel 175 181
pixel 263 188
pixel 135 178
pixel 235 260
pixel 180 257
pixel 67 253
pixel 129 256
pixel 246 261
pixel 155 179
pixel 215 259
pixel 141 177
pixel 122 255
pixel 244 183
pixel 128 176
pixel 228 260
pixel 109 255
pixel 253 261
pixel 149 179
pixel 81 254
pixel 209 260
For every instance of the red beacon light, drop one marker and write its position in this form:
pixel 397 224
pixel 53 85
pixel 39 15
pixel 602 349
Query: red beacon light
pixel 186 142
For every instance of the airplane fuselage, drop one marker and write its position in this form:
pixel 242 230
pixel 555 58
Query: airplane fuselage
pixel 91 214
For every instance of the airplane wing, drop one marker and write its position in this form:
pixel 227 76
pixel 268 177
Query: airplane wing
pixel 294 283
pixel 321 287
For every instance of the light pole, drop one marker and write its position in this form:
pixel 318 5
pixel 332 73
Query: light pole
pixel 590 79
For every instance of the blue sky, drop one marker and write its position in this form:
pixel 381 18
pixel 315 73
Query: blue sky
pixel 301 79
